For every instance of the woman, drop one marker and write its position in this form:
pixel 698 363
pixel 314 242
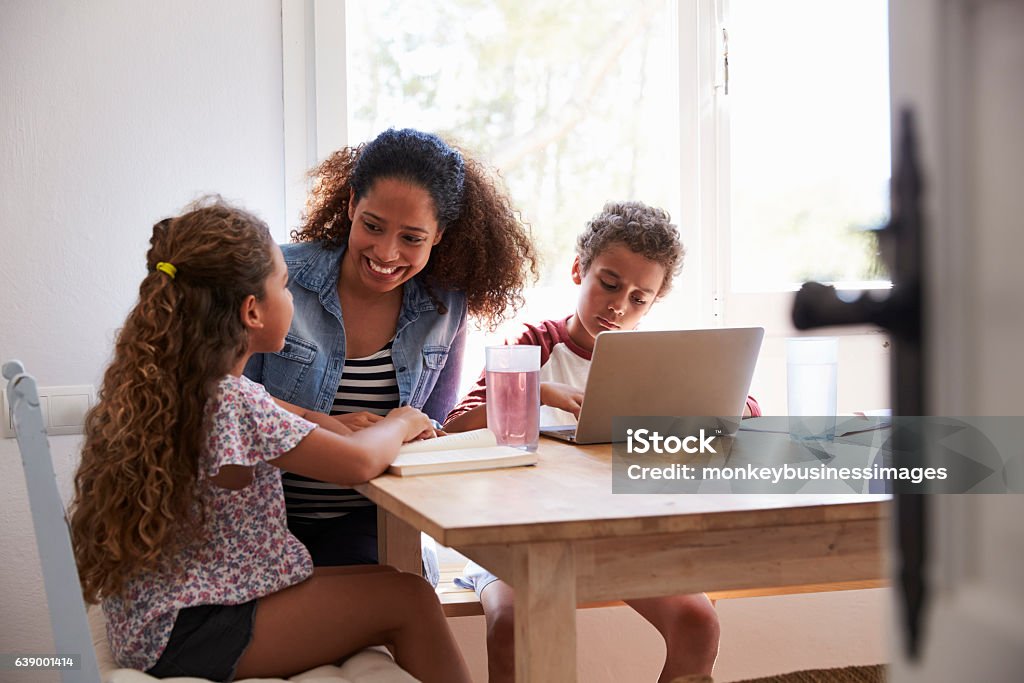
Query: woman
pixel 404 236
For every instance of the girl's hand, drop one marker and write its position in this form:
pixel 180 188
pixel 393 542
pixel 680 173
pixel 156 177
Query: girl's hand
pixel 561 396
pixel 360 420
pixel 415 422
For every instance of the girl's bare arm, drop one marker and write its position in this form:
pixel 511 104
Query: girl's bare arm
pixel 358 457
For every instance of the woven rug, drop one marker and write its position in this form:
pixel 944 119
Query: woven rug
pixel 846 674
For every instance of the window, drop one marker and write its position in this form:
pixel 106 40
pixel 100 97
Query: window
pixel 581 102
pixel 808 141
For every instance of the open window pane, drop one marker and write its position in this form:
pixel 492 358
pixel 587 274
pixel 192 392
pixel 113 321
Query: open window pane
pixel 808 109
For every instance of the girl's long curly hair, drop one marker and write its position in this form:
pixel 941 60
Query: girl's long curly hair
pixel 485 251
pixel 137 498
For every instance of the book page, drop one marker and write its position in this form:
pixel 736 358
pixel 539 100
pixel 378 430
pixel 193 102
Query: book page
pixel 477 438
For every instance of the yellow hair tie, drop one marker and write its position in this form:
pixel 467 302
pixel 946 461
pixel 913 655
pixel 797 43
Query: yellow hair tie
pixel 168 268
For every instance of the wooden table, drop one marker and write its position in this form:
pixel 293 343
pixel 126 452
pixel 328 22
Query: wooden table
pixel 559 536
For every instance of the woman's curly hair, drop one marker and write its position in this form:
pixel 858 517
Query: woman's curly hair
pixel 485 251
pixel 645 230
pixel 137 496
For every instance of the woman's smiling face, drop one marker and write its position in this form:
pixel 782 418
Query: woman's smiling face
pixel 394 228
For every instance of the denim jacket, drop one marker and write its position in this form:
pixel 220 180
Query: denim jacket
pixel 427 350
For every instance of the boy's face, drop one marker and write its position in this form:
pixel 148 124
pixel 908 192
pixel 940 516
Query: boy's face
pixel 616 292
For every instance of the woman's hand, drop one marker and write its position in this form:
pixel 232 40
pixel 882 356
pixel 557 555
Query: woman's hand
pixel 417 425
pixel 561 396
pixel 431 433
pixel 360 420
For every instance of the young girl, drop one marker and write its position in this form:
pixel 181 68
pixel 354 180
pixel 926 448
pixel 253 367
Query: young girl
pixel 178 520
pixel 404 236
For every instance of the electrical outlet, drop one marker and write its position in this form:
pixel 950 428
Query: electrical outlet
pixel 64 409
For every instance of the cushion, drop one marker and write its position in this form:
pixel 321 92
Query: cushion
pixel 373 665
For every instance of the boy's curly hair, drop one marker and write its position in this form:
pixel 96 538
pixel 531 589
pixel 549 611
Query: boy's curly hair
pixel 137 498
pixel 646 230
pixel 485 251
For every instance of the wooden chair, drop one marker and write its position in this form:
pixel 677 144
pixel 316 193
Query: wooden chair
pixel 72 631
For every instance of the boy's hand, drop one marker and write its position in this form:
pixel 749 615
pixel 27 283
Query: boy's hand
pixel 416 424
pixel 561 396
pixel 357 421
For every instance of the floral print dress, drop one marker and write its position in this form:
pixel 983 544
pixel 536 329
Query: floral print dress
pixel 248 552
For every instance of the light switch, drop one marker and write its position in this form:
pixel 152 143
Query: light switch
pixel 63 408
pixel 68 411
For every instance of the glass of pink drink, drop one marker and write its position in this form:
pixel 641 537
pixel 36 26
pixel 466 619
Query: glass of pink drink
pixel 513 395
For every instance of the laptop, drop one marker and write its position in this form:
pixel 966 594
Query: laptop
pixel 672 372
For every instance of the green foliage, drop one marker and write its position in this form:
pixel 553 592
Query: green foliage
pixel 552 94
pixel 575 102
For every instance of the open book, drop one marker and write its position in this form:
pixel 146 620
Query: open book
pixel 463 452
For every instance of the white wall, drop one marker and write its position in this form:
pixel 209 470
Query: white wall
pixel 115 114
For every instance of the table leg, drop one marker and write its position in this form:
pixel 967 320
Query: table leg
pixel 398 543
pixel 544 579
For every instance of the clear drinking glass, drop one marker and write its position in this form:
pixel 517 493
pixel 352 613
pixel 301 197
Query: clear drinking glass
pixel 812 368
pixel 513 394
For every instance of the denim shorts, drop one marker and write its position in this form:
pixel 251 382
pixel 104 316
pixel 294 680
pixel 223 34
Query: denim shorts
pixel 207 641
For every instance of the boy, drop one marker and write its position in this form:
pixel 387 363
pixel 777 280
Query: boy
pixel 626 259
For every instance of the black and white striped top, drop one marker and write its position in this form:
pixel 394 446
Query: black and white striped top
pixel 367 384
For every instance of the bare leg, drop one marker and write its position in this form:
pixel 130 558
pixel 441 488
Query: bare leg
pixel 497 600
pixel 689 625
pixel 334 614
pixel 338 570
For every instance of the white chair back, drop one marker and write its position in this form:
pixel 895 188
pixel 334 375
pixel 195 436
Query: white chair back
pixel 60 575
